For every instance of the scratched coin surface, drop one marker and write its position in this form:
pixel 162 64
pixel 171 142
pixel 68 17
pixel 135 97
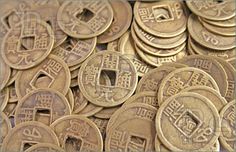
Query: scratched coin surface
pixel 44 147
pixel 5 73
pixel 5 127
pixel 19 57
pixel 182 78
pixel 116 66
pixel 188 122
pixel 27 134
pixel 161 18
pixel 77 133
pixel 43 105
pixel 85 19
pixel 121 21
pixel 228 134
pixel 51 73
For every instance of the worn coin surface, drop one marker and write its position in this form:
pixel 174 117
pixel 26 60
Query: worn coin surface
pixel 51 73
pixel 5 127
pixel 27 134
pixel 4 74
pixel 77 133
pixel 44 147
pixel 85 19
pixel 188 122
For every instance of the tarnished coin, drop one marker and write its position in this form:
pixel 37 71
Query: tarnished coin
pixel 116 66
pixel 5 127
pixel 188 122
pixel 44 147
pixel 228 133
pixel 210 66
pixel 4 73
pixel 19 57
pixel 106 113
pixel 70 99
pixel 51 73
pixel 13 76
pixel 125 136
pixel 232 61
pixel 90 110
pixel 101 124
pixel 207 38
pixel 28 134
pixel 213 10
pixel 182 78
pixel 223 23
pixel 218 101
pixel 77 133
pixel 43 105
pixel 85 19
pixel 79 99
pixel 122 16
pixel 4 97
pixel 161 18
pixel 75 51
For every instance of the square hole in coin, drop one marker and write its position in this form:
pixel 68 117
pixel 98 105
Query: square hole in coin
pixel 107 78
pixel 85 16
pixel 137 143
pixel 162 13
pixel 73 144
pixel 43 115
pixel 42 80
pixel 27 43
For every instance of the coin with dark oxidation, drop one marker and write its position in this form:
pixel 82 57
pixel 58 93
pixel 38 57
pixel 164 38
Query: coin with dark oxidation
pixel 44 147
pixel 5 127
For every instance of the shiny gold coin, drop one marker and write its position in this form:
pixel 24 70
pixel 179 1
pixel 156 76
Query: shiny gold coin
pixel 4 97
pixel 12 94
pixel 223 23
pixel 5 127
pixel 210 66
pixel 207 38
pixel 44 147
pixel 85 19
pixel 5 73
pixel 90 110
pixel 161 18
pixel 19 57
pixel 80 101
pixel 228 136
pixel 116 66
pixel 232 61
pixel 106 113
pixel 27 134
pixel 113 46
pixel 13 76
pixel 184 109
pixel 121 21
pixel 182 78
pixel 77 133
pixel 51 73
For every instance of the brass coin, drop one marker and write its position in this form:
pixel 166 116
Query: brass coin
pixel 151 81
pixel 4 97
pixel 161 18
pixel 27 134
pixel 125 136
pixel 19 57
pixel 106 113
pixel 218 101
pixel 90 110
pixel 77 133
pixel 43 105
pixel 5 127
pixel 228 136
pixel 13 76
pixel 12 94
pixel 213 10
pixel 121 21
pixel 4 73
pixel 79 99
pixel 232 61
pixel 127 48
pixel 210 66
pixel 51 73
pixel 115 65
pixel 70 99
pixel 182 78
pixel 85 19
pixel 101 124
pixel 207 38
pixel 44 147
pixel 178 113
pixel 223 23
pixel 113 46
pixel 75 51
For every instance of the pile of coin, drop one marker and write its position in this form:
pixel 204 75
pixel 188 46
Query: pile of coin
pixel 117 75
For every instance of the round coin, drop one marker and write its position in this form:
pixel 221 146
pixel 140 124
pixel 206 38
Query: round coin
pixel 44 147
pixel 188 122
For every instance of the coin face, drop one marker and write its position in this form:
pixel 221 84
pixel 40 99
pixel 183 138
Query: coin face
pixel 43 105
pixel 116 66
pixel 79 99
pixel 161 18
pixel 228 136
pixel 121 21
pixel 85 19
pixel 27 134
pixel 51 73
pixel 182 78
pixel 188 122
pixel 45 147
pixel 19 57
pixel 5 73
pixel 77 133
pixel 4 97
pixel 5 127
pixel 213 10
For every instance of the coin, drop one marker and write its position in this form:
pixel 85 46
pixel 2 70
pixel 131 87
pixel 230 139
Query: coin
pixel 161 18
pixel 5 127
pixel 45 147
pixel 159 146
pixel 51 73
pixel 101 124
pixel 184 109
pixel 114 65
pixel 218 101
pixel 79 99
pixel 14 74
pixel 210 66
pixel 113 46
pixel 27 134
pixel 106 113
pixel 182 78
pixel 207 38
pixel 4 96
pixel 228 137
pixel 85 19
pixel 74 73
pixel 223 23
pixel 12 94
pixel 70 99
pixel 213 10
pixel 232 61
pixel 121 21
pixel 77 133
pixel 74 82
pixel 5 73
pixel 75 67
pixel 90 110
